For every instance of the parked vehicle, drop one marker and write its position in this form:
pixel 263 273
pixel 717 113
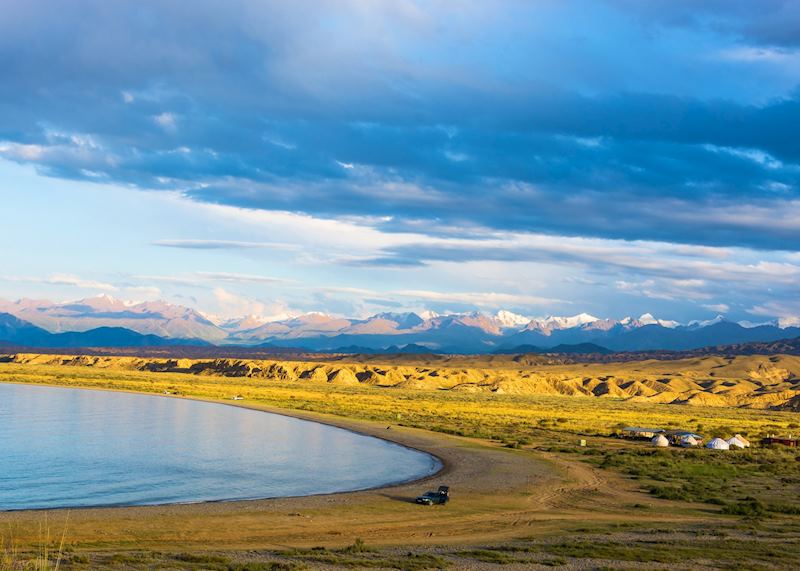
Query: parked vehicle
pixel 439 497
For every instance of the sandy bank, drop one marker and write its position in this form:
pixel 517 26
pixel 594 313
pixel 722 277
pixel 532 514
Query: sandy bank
pixel 497 493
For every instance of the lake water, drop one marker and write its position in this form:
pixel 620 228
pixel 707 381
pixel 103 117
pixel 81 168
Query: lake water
pixel 63 447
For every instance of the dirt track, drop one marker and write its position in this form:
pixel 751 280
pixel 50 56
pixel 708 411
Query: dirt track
pixel 497 494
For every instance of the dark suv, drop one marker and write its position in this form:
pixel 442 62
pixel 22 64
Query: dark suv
pixel 440 496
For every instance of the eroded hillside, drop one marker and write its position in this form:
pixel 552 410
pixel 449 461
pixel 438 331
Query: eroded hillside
pixel 741 381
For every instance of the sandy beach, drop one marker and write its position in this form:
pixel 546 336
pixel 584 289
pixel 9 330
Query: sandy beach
pixel 497 494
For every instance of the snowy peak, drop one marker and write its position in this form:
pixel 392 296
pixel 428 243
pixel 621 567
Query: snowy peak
pixel 786 322
pixel 753 324
pixel 556 322
pixel 102 302
pixel 428 314
pixel 510 320
pixel 697 324
pixel 648 319
pixel 403 320
pixel 570 322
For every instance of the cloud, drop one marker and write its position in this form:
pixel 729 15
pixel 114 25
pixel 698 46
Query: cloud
pixel 477 299
pixel 239 278
pixel 777 308
pixel 446 143
pixel 717 307
pixel 194 278
pixel 148 292
pixel 773 23
pixel 232 304
pixel 396 262
pixel 656 259
pixel 75 281
pixel 449 140
pixel 64 280
pixel 166 120
pixel 221 245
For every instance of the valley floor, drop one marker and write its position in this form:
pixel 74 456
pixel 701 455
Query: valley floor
pixel 524 493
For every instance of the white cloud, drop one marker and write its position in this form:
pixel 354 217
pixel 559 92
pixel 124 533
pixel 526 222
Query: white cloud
pixel 456 157
pixel 789 321
pixel 19 151
pixel 785 309
pixel 168 121
pixel 477 299
pixel 196 277
pixel 63 280
pixel 717 307
pixel 759 54
pixel 222 244
pixel 239 278
pixel 71 280
pixel 756 155
pixel 234 305
pixel 142 293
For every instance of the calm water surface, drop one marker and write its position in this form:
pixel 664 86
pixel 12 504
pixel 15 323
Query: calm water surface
pixel 64 447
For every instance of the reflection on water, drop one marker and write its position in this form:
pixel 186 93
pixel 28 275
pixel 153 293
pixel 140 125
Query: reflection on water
pixel 64 447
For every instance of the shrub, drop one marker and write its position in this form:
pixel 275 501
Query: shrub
pixel 358 546
pixel 748 507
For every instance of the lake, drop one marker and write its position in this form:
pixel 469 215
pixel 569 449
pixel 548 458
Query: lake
pixel 63 447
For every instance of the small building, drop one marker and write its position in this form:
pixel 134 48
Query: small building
pixel 791 442
pixel 676 437
pixel 688 442
pixel 637 433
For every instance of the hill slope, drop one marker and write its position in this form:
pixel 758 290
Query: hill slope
pixel 753 382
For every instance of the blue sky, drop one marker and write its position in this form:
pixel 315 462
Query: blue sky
pixel 613 156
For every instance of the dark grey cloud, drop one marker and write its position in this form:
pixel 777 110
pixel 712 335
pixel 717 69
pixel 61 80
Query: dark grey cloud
pixel 360 108
pixel 766 22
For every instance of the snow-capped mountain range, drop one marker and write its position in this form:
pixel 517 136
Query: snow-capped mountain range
pixel 472 332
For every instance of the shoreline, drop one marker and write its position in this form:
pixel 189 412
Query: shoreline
pixel 497 494
pixel 329 420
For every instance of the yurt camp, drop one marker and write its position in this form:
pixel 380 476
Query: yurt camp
pixel 660 441
pixel 718 444
pixel 734 442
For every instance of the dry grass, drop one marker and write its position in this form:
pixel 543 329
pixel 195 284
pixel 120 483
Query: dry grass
pixel 759 382
pixel 48 555
pixel 479 414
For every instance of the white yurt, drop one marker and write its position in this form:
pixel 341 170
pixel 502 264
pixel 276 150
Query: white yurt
pixel 718 444
pixel 660 440
pixel 734 442
pixel 743 440
pixel 688 441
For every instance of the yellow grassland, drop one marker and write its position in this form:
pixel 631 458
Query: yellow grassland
pixel 726 394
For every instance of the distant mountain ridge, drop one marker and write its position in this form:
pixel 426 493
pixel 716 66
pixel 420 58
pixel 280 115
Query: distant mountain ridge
pixel 148 318
pixel 105 321
pixel 14 331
